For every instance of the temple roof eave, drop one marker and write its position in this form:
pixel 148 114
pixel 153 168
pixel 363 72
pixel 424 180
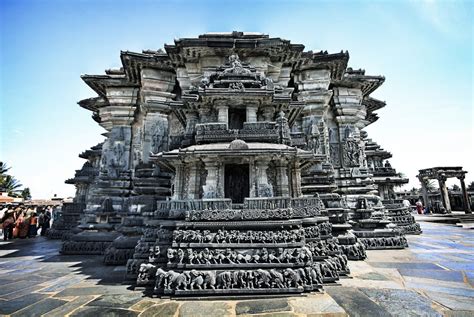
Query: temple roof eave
pixel 222 150
pixel 335 62
pixel 99 83
pixel 223 44
pixel 92 104
pixel 134 62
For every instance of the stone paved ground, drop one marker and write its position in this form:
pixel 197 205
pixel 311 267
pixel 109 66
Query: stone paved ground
pixel 434 277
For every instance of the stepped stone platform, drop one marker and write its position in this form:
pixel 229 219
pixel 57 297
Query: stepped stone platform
pixel 434 277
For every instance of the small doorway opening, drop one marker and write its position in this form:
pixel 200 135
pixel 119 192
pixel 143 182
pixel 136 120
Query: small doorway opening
pixel 237 118
pixel 236 185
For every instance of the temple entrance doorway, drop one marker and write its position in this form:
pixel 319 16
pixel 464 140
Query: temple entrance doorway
pixel 236 182
pixel 237 118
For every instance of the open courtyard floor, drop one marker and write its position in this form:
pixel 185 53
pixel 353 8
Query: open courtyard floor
pixel 433 277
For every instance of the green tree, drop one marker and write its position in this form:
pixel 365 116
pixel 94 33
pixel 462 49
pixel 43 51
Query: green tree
pixel 470 187
pixel 26 194
pixel 3 168
pixel 430 186
pixel 455 188
pixel 10 184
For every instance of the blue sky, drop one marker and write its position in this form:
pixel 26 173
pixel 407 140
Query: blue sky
pixel 423 48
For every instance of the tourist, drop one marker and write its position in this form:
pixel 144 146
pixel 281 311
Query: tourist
pixel 44 221
pixel 8 223
pixel 3 210
pixel 33 229
pixel 419 207
pixel 22 225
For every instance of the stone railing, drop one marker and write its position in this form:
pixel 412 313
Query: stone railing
pixel 267 202
pixel 306 201
pixel 249 203
pixel 262 131
pixel 195 204
pixel 383 171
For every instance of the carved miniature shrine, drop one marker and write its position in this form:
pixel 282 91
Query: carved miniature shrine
pixel 234 163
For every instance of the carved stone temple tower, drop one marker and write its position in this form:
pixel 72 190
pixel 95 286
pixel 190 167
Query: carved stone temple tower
pixel 234 163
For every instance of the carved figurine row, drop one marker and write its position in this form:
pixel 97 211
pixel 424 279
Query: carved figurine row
pixel 402 219
pixel 84 247
pixel 394 242
pixel 235 236
pixel 355 251
pixel 301 256
pixel 237 279
pixel 147 249
pixel 413 228
pixel 114 256
pixel 252 214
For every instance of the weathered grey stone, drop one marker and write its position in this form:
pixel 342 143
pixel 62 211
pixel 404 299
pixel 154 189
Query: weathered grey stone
pixel 219 162
pixel 164 309
pixel 118 301
pixel 355 302
pixel 69 307
pixel 206 309
pixel 314 305
pixel 90 311
pixel 39 308
pixel 262 306
pixel 401 302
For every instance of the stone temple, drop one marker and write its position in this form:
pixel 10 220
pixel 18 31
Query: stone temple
pixel 233 163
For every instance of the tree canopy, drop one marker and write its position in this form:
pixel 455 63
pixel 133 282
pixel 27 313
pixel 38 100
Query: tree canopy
pixel 11 185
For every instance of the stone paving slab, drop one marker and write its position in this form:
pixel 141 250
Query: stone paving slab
pixel 401 302
pixel 433 278
pixel 356 302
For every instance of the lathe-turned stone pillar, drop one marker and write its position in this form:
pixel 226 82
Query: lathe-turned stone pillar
pixel 264 189
pixel 424 190
pixel 296 180
pixel 210 188
pixel 268 113
pixel 223 113
pixel 178 181
pixel 444 193
pixel 193 180
pixel 465 197
pixel 251 113
pixel 282 183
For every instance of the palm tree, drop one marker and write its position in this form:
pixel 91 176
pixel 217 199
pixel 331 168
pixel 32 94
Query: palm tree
pixel 430 186
pixel 3 168
pixel 9 183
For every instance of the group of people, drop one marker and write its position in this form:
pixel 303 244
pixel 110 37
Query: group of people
pixel 20 221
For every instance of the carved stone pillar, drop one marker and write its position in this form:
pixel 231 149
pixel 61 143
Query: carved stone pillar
pixel 296 180
pixel 178 181
pixel 465 198
pixel 424 190
pixel 210 189
pixel 251 113
pixel 282 185
pixel 193 181
pixel 264 189
pixel 223 113
pixel 268 113
pixel 444 193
